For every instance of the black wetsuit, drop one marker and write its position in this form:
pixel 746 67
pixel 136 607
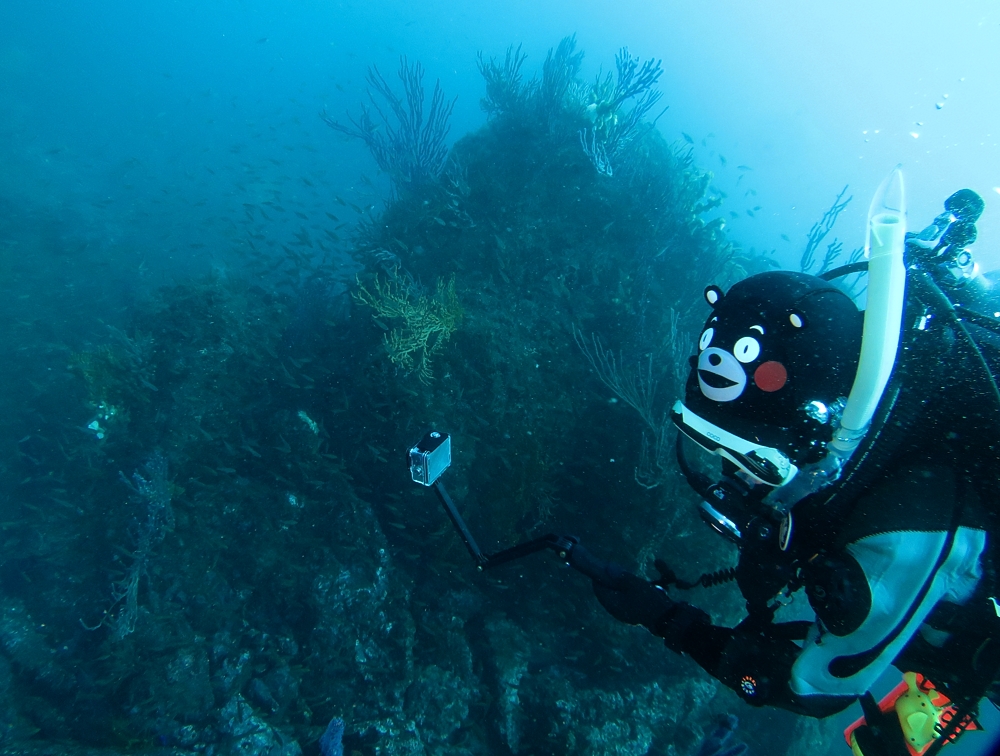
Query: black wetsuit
pixel 897 567
pixel 877 591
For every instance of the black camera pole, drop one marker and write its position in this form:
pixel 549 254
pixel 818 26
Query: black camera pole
pixel 567 548
pixel 456 519
pixel 431 456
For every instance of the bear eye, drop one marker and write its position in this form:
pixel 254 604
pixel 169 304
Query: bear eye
pixel 747 349
pixel 706 339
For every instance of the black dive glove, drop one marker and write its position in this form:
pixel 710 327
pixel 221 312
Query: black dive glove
pixel 639 602
pixel 634 601
pixel 627 597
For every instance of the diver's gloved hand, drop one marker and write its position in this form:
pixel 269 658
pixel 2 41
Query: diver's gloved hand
pixel 634 601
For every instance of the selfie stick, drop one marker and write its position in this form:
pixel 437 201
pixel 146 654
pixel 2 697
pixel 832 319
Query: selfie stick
pixel 431 456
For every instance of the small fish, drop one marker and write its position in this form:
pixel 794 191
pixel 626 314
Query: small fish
pixel 756 207
pixel 303 216
pixel 734 214
pixel 340 200
pixel 439 221
pixel 750 213
pixel 687 138
pixel 785 237
pixel 744 168
pixel 262 40
pixel 722 160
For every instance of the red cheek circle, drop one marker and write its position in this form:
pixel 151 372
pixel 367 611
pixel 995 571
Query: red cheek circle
pixel 770 376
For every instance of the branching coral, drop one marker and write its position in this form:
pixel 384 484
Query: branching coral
pixel 559 74
pixel 614 128
pixel 613 124
pixel 505 90
pixel 409 148
pixel 153 492
pixel 637 386
pixel 427 322
pixel 819 231
pixel 508 94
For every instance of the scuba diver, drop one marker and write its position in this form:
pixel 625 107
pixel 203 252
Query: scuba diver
pixel 855 456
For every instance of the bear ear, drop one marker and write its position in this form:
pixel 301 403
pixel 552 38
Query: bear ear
pixel 713 295
pixel 797 319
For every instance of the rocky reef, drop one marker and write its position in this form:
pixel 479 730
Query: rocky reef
pixel 211 543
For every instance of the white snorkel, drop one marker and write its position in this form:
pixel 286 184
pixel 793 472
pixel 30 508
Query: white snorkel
pixel 884 246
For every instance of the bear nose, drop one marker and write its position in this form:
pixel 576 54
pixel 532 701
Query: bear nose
pixel 714 360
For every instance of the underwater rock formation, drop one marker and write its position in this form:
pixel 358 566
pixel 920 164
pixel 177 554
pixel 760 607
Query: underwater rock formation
pixel 291 574
pixel 717 743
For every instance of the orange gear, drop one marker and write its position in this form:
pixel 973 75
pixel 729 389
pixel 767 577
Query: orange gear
pixel 923 712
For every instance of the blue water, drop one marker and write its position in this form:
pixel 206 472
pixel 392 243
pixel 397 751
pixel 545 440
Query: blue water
pixel 140 141
pixel 137 103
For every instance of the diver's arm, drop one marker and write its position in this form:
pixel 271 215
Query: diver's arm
pixel 756 663
pixel 876 595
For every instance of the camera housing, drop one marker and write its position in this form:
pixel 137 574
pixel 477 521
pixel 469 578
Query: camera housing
pixel 430 457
